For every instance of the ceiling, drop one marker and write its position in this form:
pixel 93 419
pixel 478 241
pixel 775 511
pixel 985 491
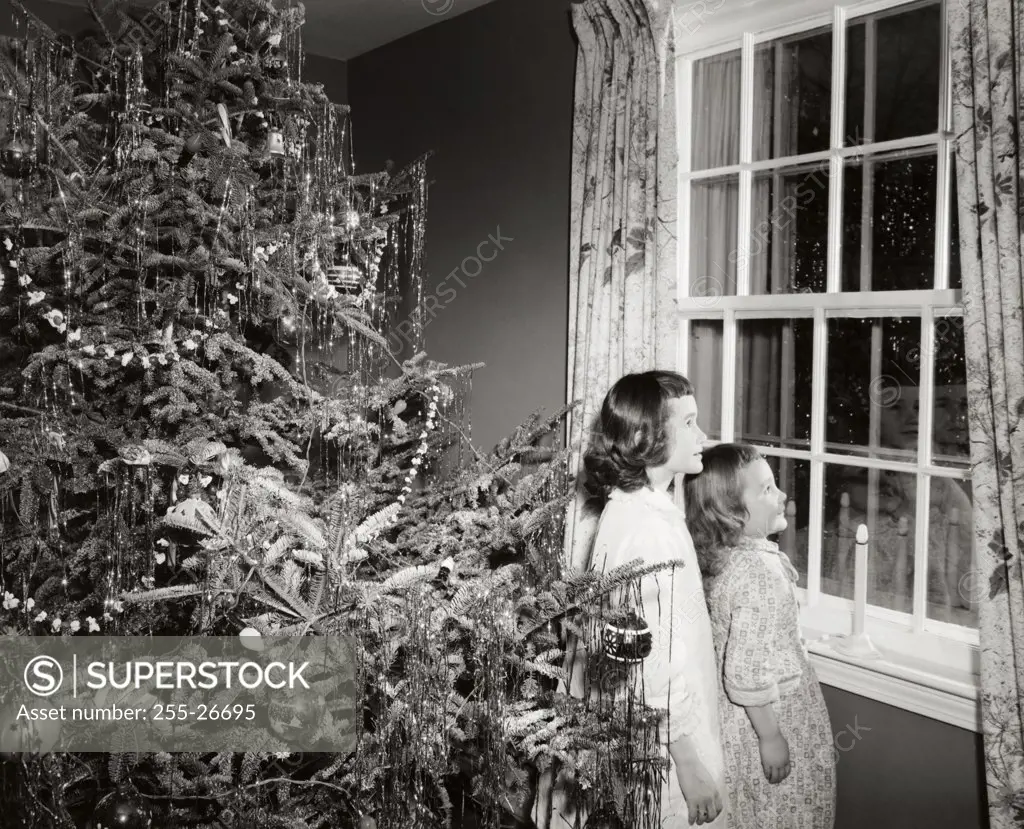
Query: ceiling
pixel 343 29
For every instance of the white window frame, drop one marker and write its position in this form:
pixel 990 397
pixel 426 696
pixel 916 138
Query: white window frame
pixel 927 666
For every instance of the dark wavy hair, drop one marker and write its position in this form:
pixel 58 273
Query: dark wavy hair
pixel 630 433
pixel 715 513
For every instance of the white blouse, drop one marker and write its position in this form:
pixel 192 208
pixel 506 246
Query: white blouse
pixel 679 676
pixel 680 673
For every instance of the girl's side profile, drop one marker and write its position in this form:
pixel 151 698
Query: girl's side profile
pixel 647 434
pixel 776 734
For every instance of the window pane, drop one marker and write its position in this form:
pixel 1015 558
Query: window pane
pixel 774 364
pixel 793 477
pixel 954 235
pixel 884 502
pixel 949 413
pixel 873 380
pixel 792 95
pixel 899 57
pixel 706 374
pixel 789 231
pixel 714 212
pixel 716 111
pixel 889 224
pixel 955 584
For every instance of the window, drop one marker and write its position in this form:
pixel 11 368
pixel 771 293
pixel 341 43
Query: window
pixel 821 311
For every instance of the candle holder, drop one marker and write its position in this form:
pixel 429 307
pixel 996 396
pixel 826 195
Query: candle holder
pixel 858 644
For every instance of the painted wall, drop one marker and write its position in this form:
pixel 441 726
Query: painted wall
pixel 898 770
pixel 333 74
pixel 490 93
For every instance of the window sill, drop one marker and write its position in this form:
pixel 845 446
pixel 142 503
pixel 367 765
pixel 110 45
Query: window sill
pixel 896 679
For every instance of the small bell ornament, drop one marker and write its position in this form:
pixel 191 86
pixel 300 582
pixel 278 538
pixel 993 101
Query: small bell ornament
pixel 627 639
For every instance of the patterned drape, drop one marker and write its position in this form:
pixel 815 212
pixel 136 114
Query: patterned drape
pixel 622 281
pixel 987 37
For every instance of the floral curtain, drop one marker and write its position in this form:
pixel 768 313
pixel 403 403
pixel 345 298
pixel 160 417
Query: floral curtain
pixel 987 38
pixel 622 282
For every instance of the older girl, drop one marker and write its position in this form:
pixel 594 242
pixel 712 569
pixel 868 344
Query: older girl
pixel 776 734
pixel 647 433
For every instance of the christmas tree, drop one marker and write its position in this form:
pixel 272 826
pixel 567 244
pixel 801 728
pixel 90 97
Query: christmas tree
pixel 203 432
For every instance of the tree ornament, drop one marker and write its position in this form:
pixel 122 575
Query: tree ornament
pixel 122 809
pixel 628 640
pixel 345 278
pixel 16 158
pixel 251 639
pixel 367 822
pixel 192 514
pixel 275 144
pixel 444 572
pixel 5 463
pixel 135 455
pixel 193 144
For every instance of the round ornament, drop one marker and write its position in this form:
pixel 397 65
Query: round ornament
pixel 16 158
pixel 627 640
pixel 251 639
pixel 122 809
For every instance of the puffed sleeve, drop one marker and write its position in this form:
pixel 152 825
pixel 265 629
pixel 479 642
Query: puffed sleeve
pixel 666 674
pixel 749 661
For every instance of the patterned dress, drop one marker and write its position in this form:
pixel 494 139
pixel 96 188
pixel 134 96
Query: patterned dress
pixel 680 675
pixel 755 622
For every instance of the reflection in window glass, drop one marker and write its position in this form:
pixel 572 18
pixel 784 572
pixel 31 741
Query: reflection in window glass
pixel 904 52
pixel 792 95
pixel 952 446
pixel 885 501
pixel 789 231
pixel 871 406
pixel 773 382
pixel 890 245
pixel 705 374
pixel 793 477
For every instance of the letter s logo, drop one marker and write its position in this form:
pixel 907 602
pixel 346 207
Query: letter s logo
pixel 43 676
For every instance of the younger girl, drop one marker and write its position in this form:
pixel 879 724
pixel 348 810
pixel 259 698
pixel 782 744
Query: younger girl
pixel 776 734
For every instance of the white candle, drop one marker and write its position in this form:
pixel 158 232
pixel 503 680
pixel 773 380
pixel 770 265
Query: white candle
pixel 860 583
